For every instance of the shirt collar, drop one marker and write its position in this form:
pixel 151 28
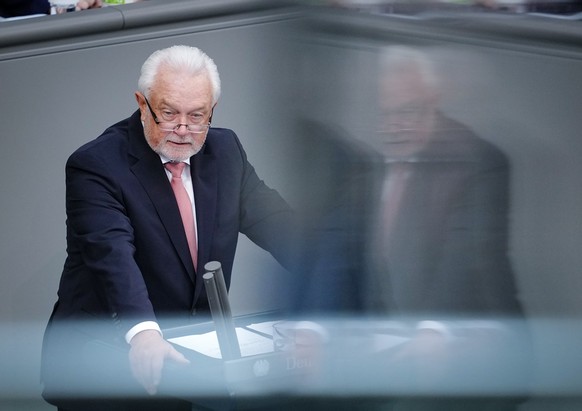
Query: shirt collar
pixel 167 160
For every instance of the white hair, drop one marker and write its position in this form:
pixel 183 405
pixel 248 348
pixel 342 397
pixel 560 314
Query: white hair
pixel 398 59
pixel 187 58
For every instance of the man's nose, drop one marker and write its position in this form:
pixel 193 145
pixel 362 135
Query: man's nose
pixel 181 129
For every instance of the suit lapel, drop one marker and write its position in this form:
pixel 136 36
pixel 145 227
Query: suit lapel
pixel 204 180
pixel 150 172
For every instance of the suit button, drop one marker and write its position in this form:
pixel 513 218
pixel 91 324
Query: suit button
pixel 193 312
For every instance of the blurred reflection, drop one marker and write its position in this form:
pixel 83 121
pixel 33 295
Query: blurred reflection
pixel 411 223
pixel 442 223
pixel 413 219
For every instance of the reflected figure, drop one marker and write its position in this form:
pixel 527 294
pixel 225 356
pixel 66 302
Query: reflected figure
pixel 412 220
pixel 442 228
pixel 412 223
pixel 339 179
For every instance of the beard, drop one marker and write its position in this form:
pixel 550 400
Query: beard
pixel 401 143
pixel 175 147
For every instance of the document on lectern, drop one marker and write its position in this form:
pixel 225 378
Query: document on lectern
pixel 253 340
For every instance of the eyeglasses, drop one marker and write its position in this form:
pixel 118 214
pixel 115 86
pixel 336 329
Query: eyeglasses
pixel 165 126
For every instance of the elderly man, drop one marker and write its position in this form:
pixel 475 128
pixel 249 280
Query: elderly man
pixel 149 203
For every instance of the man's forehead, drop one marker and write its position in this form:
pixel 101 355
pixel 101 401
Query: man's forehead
pixel 175 85
pixel 404 90
pixel 171 77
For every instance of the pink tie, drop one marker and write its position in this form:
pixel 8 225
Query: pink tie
pixel 394 190
pixel 185 207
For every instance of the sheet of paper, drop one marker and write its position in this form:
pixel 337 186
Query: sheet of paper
pixel 385 341
pixel 264 327
pixel 250 343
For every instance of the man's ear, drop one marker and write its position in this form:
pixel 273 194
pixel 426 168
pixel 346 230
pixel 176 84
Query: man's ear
pixel 141 104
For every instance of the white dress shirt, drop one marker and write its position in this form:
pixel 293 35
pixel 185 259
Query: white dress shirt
pixel 187 181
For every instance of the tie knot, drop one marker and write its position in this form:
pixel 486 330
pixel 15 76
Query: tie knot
pixel 175 168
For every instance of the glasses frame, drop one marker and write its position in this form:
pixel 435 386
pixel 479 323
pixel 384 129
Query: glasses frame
pixel 200 128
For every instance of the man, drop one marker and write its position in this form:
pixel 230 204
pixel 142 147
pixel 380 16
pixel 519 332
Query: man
pixel 132 267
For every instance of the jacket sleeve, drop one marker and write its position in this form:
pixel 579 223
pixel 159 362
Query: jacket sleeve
pixel 266 218
pixel 101 247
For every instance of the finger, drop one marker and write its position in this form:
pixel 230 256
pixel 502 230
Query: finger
pixel 142 378
pixel 135 366
pixel 141 367
pixel 157 363
pixel 177 356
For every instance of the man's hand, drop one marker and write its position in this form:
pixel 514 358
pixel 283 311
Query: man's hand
pixel 426 358
pixel 147 355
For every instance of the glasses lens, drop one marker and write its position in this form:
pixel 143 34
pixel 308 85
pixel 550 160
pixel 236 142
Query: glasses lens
pixel 192 128
pixel 197 128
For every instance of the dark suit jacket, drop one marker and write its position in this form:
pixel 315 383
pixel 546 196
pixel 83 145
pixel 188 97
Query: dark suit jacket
pixel 449 252
pixel 14 8
pixel 448 258
pixel 449 247
pixel 128 258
